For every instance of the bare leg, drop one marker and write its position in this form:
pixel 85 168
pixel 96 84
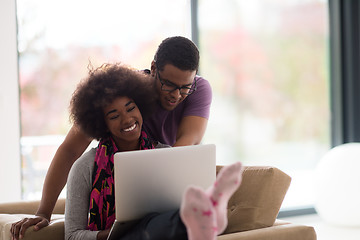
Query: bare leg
pixel 227 182
pixel 198 215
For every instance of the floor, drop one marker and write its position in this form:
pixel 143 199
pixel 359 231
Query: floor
pixel 326 231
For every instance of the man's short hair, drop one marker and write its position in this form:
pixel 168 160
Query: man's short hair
pixel 179 52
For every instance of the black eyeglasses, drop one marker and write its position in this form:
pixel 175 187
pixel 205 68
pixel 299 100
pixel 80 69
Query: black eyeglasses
pixel 170 87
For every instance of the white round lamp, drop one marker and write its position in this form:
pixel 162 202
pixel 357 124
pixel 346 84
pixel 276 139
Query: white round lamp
pixel 338 186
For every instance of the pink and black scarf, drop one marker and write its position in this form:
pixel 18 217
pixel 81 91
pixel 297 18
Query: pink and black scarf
pixel 102 196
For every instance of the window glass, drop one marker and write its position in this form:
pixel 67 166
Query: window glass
pixel 57 40
pixel 267 62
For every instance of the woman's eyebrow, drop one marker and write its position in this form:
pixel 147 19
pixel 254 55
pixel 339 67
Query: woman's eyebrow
pixel 112 111
pixel 130 102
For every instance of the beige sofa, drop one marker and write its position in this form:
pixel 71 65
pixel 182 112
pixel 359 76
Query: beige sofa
pixel 252 211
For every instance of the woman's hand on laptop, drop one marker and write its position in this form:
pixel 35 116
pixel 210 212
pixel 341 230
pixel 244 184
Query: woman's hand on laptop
pixel 18 229
pixel 102 235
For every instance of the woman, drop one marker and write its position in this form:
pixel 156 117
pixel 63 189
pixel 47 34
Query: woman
pixel 180 119
pixel 109 106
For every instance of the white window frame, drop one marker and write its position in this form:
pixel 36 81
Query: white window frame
pixel 10 170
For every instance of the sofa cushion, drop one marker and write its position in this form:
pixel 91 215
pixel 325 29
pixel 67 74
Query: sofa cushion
pixel 286 231
pixel 258 200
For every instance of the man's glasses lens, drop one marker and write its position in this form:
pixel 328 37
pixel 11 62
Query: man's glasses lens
pixel 183 90
pixel 169 87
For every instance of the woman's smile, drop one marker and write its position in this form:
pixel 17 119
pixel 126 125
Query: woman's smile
pixel 129 129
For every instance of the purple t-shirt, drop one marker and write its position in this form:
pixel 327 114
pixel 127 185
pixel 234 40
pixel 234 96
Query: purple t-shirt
pixel 162 126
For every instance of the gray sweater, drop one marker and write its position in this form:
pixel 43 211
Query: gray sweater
pixel 79 186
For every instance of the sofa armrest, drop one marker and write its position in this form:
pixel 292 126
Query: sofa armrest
pixel 276 232
pixel 29 207
pixel 54 231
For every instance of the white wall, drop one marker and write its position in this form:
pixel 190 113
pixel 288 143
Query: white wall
pixel 10 172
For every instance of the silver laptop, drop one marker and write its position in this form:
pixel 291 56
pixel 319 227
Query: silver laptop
pixel 154 180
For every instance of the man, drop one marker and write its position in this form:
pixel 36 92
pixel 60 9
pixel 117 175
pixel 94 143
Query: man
pixel 180 119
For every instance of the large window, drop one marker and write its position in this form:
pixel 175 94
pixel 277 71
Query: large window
pixel 268 64
pixel 265 59
pixel 58 40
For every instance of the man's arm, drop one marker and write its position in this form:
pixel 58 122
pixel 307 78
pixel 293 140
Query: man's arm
pixel 191 131
pixel 196 113
pixel 71 149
